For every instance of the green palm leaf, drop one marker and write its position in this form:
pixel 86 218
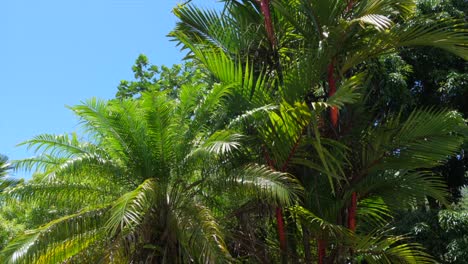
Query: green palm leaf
pixel 129 211
pixel 58 240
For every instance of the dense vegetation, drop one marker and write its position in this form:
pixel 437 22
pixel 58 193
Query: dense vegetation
pixel 295 132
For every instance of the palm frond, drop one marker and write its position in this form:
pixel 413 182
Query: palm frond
pixel 158 151
pixel 411 186
pixel 43 162
pixel 424 140
pixel 450 35
pixel 276 187
pixel 219 143
pixel 208 27
pixel 58 240
pixel 5 166
pixel 348 92
pixel 404 8
pixel 322 228
pixel 129 211
pixel 203 237
pixel 374 211
pixel 57 145
pixel 72 196
pixel 283 132
pixel 98 119
pixel 379 248
pixel 253 115
pixel 380 22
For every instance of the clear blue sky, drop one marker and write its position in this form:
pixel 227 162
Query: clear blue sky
pixel 55 53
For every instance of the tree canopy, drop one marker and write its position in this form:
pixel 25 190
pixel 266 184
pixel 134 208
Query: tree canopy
pixel 294 132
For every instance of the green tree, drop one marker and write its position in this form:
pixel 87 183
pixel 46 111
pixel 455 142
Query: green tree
pixel 440 79
pixel 443 232
pixel 139 189
pixel 5 168
pixel 151 78
pixel 308 52
pixel 8 227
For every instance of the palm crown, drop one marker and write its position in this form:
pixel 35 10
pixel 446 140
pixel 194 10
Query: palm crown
pixel 137 188
pixel 314 63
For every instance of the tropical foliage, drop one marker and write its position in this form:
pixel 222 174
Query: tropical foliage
pixel 291 135
pixel 148 163
pixel 441 232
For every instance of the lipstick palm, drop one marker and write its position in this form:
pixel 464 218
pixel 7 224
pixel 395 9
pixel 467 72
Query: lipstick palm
pixel 318 47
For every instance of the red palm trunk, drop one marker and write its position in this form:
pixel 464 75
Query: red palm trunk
pixel 279 214
pixel 321 243
pixel 352 212
pixel 322 250
pixel 353 207
pixel 332 90
pixel 280 227
pixel 265 8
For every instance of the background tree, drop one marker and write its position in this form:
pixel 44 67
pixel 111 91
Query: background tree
pixel 151 78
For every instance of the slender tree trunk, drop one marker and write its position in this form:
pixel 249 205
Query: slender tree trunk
pixel 306 244
pixel 322 250
pixel 350 5
pixel 353 207
pixel 281 235
pixel 334 115
pixel 265 8
pixel 291 242
pixel 279 218
pixel 331 91
pixel 352 212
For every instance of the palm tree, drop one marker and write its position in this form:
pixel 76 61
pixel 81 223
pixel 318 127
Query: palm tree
pixel 5 168
pixel 139 189
pixel 314 57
